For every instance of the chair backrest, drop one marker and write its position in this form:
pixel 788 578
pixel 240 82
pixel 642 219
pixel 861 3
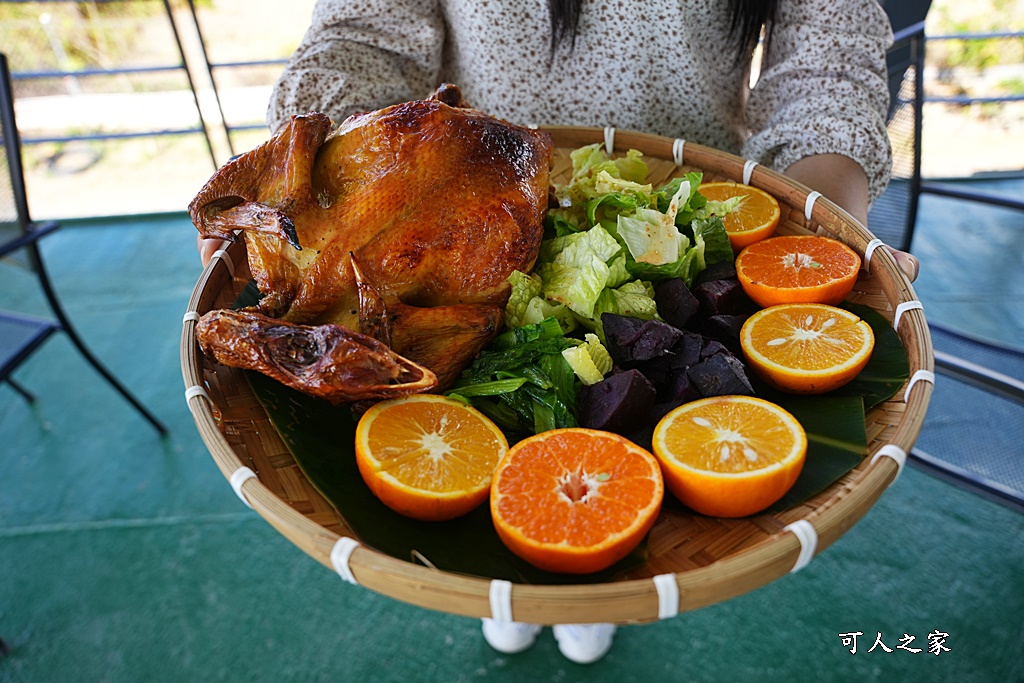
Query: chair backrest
pixel 14 215
pixel 902 15
pixel 893 215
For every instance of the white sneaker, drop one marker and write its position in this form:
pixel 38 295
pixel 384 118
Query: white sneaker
pixel 509 637
pixel 584 643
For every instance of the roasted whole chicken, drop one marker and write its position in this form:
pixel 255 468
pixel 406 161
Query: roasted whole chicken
pixel 381 250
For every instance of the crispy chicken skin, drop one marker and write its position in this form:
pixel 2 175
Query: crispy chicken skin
pixel 404 224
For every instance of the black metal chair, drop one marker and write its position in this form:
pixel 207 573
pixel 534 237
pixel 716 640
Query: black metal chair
pixel 893 215
pixel 975 424
pixel 22 335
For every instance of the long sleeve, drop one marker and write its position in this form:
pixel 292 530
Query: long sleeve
pixel 823 89
pixel 356 57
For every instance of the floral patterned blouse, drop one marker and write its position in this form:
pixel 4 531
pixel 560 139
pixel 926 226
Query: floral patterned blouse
pixel 662 66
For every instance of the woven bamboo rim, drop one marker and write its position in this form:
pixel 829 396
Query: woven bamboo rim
pixel 707 559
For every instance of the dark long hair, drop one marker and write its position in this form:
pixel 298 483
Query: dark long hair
pixel 746 17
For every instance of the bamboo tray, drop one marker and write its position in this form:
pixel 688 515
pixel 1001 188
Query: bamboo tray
pixel 693 561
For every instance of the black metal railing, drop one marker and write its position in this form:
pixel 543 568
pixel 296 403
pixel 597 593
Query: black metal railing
pixel 910 46
pixel 201 126
pixel 965 99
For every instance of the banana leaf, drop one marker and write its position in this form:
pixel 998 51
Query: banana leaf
pixel 888 368
pixel 835 422
pixel 321 436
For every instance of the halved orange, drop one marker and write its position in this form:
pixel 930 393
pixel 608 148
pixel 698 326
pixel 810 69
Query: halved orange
pixel 756 216
pixel 428 457
pixel 806 348
pixel 797 269
pixel 575 500
pixel 729 456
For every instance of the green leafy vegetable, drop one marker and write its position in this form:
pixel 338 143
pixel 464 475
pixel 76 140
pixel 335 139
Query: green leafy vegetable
pixel 522 381
pixel 612 235
pixel 574 269
pixel 590 360
pixel 651 235
pixel 525 288
pixel 719 208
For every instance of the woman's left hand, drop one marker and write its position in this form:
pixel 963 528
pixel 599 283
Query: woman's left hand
pixel 842 180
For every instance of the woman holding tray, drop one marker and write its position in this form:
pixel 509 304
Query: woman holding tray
pixel 676 68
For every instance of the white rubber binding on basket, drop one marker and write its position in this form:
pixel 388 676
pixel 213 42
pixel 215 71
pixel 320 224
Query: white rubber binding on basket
pixel 919 376
pixel 809 204
pixel 903 308
pixel 609 140
pixel 500 595
pixel 748 170
pixel 340 555
pixel 808 537
pixel 239 477
pixel 891 450
pixel 668 595
pixel 195 391
pixel 868 251
pixel 222 254
pixel 190 316
pixel 677 150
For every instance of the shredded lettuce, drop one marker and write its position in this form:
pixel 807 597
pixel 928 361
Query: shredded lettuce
pixel 576 248
pixel 598 353
pixel 583 365
pixel 618 273
pixel 525 288
pixel 594 174
pixel 693 203
pixel 651 235
pixel 540 309
pixel 574 268
pixel 590 360
pixel 711 233
pixel 635 299
pixel 720 208
pixel 613 235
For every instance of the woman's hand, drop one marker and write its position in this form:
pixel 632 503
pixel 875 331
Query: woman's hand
pixel 207 247
pixel 842 180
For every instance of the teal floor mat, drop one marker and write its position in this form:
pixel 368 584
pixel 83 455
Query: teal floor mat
pixel 125 557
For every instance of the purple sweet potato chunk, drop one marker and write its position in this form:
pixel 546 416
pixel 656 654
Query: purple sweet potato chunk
pixel 676 303
pixel 643 437
pixel 712 347
pixel 657 370
pixel 720 297
pixel 686 351
pixel 719 270
pixel 721 374
pixel 620 333
pixel 726 329
pixel 655 339
pixel 661 370
pixel 621 403
pixel 681 389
